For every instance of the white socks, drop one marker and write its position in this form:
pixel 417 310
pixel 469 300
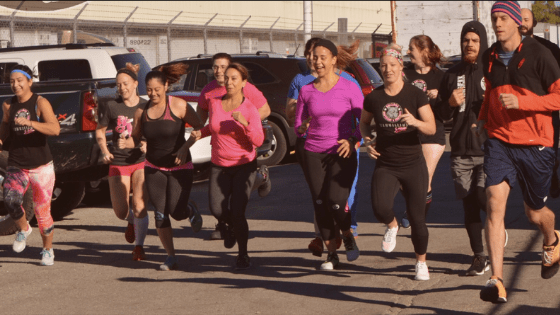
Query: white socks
pixel 130 217
pixel 141 229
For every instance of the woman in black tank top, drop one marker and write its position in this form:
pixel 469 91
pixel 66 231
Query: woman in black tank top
pixel 168 168
pixel 27 121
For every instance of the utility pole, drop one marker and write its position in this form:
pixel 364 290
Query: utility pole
pixel 307 20
pixel 394 21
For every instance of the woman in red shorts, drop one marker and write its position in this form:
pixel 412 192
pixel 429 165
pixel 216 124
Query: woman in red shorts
pixel 126 168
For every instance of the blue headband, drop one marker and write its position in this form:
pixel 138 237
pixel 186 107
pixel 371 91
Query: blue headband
pixel 22 72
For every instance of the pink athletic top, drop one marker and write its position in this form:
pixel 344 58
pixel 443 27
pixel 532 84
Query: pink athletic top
pixel 214 90
pixel 333 113
pixel 232 143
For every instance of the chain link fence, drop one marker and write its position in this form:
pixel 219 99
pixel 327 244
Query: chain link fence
pixel 161 43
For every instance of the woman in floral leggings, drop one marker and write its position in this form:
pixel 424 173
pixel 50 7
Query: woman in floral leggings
pixel 27 121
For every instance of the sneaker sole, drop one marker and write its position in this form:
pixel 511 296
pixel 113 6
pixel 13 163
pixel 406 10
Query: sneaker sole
pixel 421 278
pixel 167 268
pixel 47 264
pixel 388 250
pixel 216 236
pixel 352 255
pixel 475 273
pixel 16 251
pixel 197 225
pixel 328 267
pixel 548 272
pixel 493 298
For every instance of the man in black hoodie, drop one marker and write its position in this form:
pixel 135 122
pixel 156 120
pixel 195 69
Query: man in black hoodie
pixel 462 93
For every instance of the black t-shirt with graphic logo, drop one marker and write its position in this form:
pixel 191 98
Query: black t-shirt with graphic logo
pixel 119 118
pixel 397 142
pixel 424 82
pixel 28 147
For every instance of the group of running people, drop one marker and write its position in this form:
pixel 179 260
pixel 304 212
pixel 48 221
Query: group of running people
pixel 504 102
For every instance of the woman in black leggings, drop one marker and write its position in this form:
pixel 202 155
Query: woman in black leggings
pixel 400 111
pixel 236 130
pixel 330 104
pixel 168 168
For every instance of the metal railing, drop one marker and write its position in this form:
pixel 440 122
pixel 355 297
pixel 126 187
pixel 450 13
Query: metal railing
pixel 163 42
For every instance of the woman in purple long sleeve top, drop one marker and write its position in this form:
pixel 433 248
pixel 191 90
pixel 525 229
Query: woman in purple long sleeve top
pixel 330 105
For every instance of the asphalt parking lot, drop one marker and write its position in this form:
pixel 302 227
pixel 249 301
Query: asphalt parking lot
pixel 94 273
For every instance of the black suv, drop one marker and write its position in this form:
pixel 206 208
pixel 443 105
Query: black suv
pixel 272 74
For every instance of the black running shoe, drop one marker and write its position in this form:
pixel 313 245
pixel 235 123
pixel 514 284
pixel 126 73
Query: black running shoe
pixel 352 250
pixel 243 262
pixel 229 237
pixel 480 264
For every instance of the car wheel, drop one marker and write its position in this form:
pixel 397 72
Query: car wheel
pixel 97 193
pixel 66 197
pixel 277 150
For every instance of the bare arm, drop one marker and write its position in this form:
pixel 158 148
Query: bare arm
pixel 102 142
pixel 264 111
pixel 291 108
pixel 427 124
pixel 5 126
pixel 190 117
pixel 365 126
pixel 49 126
pixel 365 130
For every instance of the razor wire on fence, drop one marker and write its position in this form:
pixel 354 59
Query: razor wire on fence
pixel 164 42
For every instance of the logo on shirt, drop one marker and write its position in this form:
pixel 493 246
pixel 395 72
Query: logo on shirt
pixel 421 84
pixel 124 126
pixel 392 112
pixel 23 113
pixel 483 84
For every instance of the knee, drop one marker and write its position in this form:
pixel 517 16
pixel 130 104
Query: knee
pixel 180 214
pixel 532 215
pixel 13 201
pixel 162 220
pixel 138 208
pixel 319 203
pixel 46 231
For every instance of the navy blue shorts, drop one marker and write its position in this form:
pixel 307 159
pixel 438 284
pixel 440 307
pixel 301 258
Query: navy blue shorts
pixel 530 165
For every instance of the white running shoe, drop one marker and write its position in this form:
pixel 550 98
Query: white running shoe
pixel 389 239
pixel 21 238
pixel 422 272
pixel 331 262
pixel 48 257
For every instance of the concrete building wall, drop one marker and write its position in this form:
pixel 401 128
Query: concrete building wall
pixel 442 21
pixel 232 13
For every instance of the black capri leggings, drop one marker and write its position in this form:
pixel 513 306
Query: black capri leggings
pixel 169 192
pixel 229 192
pixel 385 184
pixel 330 179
